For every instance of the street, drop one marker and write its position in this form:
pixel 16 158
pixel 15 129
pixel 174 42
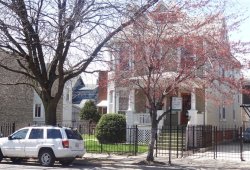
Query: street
pixel 78 165
pixel 112 162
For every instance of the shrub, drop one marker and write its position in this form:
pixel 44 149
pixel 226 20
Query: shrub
pixel 89 112
pixel 111 128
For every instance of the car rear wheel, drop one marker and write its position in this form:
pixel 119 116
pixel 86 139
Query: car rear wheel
pixel 46 158
pixel 66 162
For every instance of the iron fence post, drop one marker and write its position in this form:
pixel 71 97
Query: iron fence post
pixel 214 140
pixel 170 137
pixel 241 145
pixel 156 145
pixel 193 138
pixel 177 140
pixel 136 140
pixel 182 140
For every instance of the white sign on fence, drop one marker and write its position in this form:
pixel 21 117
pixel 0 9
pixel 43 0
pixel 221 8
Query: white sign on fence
pixel 176 103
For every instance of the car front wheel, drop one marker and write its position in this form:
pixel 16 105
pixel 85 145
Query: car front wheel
pixel 46 158
pixel 66 162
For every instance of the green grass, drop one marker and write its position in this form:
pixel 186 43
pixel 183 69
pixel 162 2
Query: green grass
pixel 92 145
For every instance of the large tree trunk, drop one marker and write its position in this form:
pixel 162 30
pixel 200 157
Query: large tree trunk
pixel 50 113
pixel 150 156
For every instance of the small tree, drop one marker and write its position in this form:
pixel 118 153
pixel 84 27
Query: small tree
pixel 111 128
pixel 89 112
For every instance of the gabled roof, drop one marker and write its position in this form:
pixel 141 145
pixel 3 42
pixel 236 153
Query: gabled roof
pixel 79 84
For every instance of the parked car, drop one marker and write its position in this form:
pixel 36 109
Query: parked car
pixel 47 143
pixel 246 135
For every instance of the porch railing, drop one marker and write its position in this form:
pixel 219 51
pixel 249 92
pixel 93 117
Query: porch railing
pixel 142 118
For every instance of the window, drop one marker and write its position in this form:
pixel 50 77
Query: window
pixel 21 134
pixel 219 113
pixel 54 134
pixel 187 57
pixel 234 117
pixel 73 134
pixel 223 113
pixel 36 134
pixel 38 110
pixel 123 100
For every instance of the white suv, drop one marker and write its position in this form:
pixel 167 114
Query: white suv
pixel 47 143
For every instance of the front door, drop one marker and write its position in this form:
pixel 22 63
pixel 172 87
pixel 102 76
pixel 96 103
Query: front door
pixel 186 105
pixel 15 144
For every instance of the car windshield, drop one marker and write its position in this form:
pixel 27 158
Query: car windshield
pixel 73 134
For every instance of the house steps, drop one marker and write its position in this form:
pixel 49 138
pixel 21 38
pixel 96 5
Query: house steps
pixel 178 137
pixel 177 141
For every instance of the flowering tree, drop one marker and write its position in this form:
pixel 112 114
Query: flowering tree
pixel 49 42
pixel 178 46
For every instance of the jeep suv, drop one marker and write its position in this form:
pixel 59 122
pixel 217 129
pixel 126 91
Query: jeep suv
pixel 47 143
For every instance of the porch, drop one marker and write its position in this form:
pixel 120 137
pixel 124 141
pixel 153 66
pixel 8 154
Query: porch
pixel 189 115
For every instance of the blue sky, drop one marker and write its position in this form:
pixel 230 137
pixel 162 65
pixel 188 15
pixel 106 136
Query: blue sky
pixel 242 7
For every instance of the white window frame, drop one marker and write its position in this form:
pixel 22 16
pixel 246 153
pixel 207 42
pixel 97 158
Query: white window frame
pixel 123 94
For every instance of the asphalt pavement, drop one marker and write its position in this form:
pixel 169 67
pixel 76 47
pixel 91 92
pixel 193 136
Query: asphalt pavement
pixel 114 162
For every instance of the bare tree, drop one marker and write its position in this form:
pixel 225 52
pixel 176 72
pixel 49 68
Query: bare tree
pixel 176 46
pixel 52 41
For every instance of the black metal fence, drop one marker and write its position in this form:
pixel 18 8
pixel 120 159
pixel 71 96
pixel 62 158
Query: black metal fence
pixel 7 128
pixel 130 146
pixel 172 142
pixel 203 141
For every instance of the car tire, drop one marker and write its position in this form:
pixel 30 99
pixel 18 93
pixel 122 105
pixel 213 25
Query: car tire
pixel 1 155
pixel 46 157
pixel 16 160
pixel 66 162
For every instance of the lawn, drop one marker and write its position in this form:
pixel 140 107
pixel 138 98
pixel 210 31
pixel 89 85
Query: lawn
pixel 92 145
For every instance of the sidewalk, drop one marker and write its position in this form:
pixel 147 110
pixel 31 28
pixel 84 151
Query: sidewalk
pixel 105 161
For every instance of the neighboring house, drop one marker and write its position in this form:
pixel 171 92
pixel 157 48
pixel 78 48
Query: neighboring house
pixel 197 105
pixel 16 101
pixel 246 98
pixel 21 104
pixel 83 92
pixel 75 94
pixel 65 109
